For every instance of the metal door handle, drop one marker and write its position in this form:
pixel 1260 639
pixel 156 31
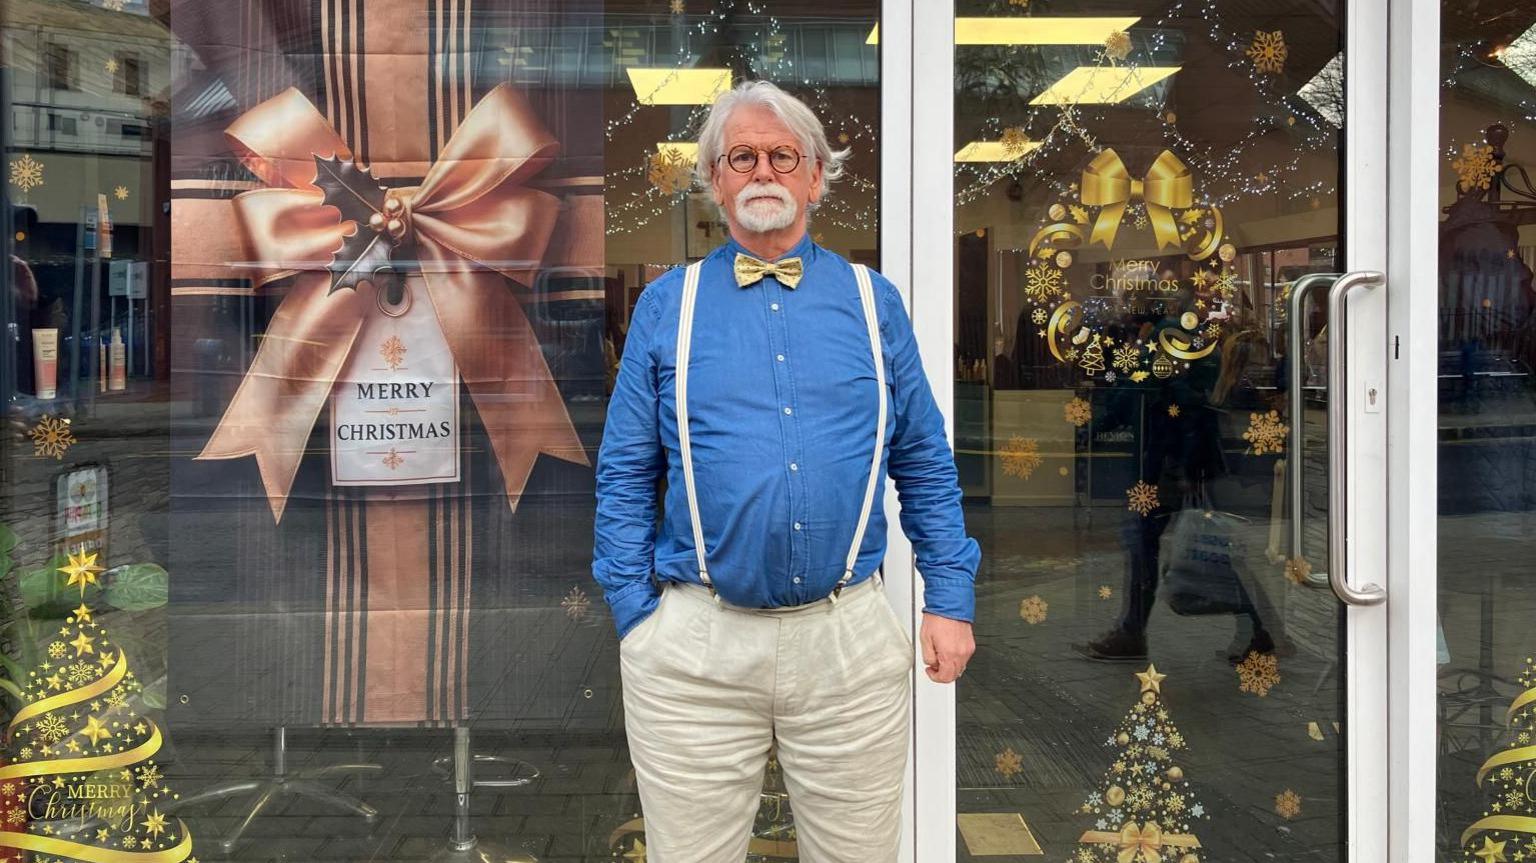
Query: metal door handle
pixel 1295 464
pixel 1338 439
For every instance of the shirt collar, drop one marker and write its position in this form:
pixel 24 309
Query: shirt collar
pixel 803 249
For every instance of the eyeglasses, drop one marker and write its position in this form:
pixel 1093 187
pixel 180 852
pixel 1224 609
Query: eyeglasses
pixel 743 159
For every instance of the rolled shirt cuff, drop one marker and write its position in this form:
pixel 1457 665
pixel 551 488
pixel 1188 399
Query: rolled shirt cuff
pixel 951 596
pixel 632 604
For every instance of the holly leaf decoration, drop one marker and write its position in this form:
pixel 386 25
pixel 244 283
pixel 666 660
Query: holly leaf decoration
pixel 354 192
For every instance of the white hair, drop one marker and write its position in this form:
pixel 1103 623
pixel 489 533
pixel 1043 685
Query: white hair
pixel 795 114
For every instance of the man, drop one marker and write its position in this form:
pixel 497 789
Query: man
pixel 770 624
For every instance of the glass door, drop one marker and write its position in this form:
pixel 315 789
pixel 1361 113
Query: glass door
pixel 1483 349
pixel 1153 292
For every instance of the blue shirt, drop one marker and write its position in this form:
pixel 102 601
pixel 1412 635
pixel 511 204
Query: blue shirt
pixel 782 411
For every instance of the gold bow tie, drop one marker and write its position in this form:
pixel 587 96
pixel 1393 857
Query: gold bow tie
pixel 750 270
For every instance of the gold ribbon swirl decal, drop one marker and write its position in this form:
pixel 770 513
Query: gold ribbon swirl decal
pixel 1199 248
pixel 1177 343
pixel 1145 841
pixel 1064 320
pixel 88 764
pixel 1507 823
pixel 94 854
pixel 1054 238
pixel 1107 184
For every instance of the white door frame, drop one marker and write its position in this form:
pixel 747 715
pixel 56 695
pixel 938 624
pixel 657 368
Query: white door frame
pixel 1388 449
pixel 1413 309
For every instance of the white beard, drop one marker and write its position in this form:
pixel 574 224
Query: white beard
pixel 763 216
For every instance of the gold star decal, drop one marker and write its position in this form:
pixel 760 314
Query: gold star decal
pixel 82 645
pixel 154 824
pixel 1151 680
pixel 54 681
pixel 1491 852
pixel 95 731
pixel 73 745
pixel 102 834
pixel 83 613
pixel 82 570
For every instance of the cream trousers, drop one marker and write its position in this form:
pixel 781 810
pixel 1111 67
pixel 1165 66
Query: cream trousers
pixel 708 687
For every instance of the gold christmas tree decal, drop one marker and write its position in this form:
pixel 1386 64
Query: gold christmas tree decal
pixel 1145 809
pixel 1093 357
pixel 76 749
pixel 1509 819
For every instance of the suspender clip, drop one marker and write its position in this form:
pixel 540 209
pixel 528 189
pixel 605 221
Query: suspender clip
pixel 709 583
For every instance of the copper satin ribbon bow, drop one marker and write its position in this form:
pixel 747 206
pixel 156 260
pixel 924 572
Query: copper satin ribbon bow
pixel 1145 841
pixel 1107 184
pixel 474 225
pixel 750 270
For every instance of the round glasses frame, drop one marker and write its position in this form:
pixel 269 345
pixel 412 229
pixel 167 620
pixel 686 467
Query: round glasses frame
pixel 782 160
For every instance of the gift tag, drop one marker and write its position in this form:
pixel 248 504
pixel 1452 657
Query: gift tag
pixel 395 407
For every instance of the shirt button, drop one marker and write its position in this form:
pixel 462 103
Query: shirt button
pixel 788 411
pixel 797 525
pixel 797 579
pixel 781 358
pixel 793 466
pixel 774 306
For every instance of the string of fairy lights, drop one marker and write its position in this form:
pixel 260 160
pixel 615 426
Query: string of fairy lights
pixel 851 208
pixel 1226 171
pixel 1519 108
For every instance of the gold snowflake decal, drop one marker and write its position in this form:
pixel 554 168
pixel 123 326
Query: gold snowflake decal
pixel 670 171
pixel 1297 569
pixel 1475 166
pixel 678 7
pixel 1015 142
pixel 1268 51
pixel 1127 357
pixel 111 66
pixel 121 193
pixel 1141 498
pixel 26 173
pixel 1041 282
pixel 1021 455
pixel 1213 330
pixel 1288 804
pixel 1225 285
pixel 1078 412
pixel 575 604
pixel 1038 316
pixel 1033 609
pixel 1258 673
pixel 1009 763
pixel 51 437
pixel 1105 591
pixel 114 5
pixel 393 352
pixel 1266 433
pixel 148 775
pixel 393 459
pixel 1173 411
pixel 1117 45
pixel 51 728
